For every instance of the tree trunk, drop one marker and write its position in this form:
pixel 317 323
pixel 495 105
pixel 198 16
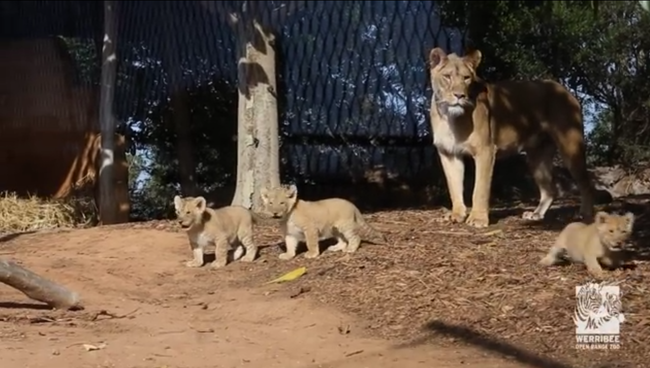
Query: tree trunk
pixel 258 162
pixel 107 202
pixel 186 167
pixel 180 106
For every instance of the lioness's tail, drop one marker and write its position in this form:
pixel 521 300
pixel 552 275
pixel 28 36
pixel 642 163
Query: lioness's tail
pixel 365 228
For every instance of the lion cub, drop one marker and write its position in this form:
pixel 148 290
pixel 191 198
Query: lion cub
pixel 224 227
pixel 594 244
pixel 311 221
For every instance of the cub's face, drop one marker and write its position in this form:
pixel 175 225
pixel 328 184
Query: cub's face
pixel 614 230
pixel 189 210
pixel 279 201
pixel 452 81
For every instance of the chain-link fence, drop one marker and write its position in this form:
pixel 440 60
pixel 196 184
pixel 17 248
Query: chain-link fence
pixel 352 77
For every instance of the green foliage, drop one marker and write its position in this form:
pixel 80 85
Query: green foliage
pixel 603 55
pixel 213 119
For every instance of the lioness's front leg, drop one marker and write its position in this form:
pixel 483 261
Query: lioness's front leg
pixel 479 215
pixel 197 256
pixel 454 169
pixel 220 253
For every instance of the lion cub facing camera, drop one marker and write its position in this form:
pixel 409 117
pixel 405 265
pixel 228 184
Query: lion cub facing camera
pixel 224 228
pixel 594 244
pixel 311 221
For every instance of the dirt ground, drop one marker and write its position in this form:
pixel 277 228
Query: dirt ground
pixel 439 295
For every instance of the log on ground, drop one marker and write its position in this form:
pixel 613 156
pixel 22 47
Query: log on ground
pixel 37 287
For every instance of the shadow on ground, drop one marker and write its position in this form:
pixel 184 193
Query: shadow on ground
pixel 486 343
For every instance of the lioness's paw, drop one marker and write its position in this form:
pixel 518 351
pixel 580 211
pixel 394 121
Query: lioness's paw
pixel 478 220
pixel 309 254
pixel 286 256
pixel 193 263
pixel 532 216
pixel 456 216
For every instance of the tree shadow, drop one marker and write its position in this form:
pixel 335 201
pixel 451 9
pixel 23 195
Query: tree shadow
pixel 487 343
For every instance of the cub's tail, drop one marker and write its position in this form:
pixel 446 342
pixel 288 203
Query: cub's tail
pixel 365 228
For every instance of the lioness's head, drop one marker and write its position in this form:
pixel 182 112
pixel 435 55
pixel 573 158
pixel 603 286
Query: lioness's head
pixel 189 210
pixel 452 79
pixel 279 201
pixel 614 230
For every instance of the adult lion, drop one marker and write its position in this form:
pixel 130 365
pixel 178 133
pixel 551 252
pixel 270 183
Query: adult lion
pixel 471 117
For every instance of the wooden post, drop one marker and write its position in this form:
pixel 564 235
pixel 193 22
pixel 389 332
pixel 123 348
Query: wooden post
pixel 107 202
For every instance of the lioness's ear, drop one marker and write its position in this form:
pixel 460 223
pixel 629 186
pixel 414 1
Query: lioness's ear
pixel 200 203
pixel 436 56
pixel 601 217
pixel 292 192
pixel 473 58
pixel 629 217
pixel 178 203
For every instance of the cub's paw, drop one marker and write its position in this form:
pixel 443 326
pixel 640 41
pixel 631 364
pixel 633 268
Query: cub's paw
pixel 193 264
pixel 478 219
pixel 217 264
pixel 532 216
pixel 309 254
pixel 248 258
pixel 286 256
pixel 596 274
pixel 547 261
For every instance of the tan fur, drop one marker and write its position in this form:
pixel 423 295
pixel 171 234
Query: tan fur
pixel 311 221
pixel 225 228
pixel 598 243
pixel 471 117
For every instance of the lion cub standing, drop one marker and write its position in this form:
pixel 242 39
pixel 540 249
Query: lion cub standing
pixel 311 221
pixel 224 227
pixel 594 244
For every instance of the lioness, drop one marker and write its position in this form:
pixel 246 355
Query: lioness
pixel 471 117
pixel 311 221
pixel 224 227
pixel 598 243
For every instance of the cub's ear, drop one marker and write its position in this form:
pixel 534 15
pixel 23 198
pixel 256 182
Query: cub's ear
pixel 601 217
pixel 200 203
pixel 178 203
pixel 264 193
pixel 292 191
pixel 436 56
pixel 629 218
pixel 473 58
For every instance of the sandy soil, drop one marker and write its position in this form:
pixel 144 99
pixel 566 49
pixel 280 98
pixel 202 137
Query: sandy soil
pixel 165 315
pixel 437 296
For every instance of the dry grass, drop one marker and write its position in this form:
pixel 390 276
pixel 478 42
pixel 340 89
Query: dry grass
pixel 19 214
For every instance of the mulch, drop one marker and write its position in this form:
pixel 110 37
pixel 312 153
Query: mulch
pixel 445 284
pixel 454 285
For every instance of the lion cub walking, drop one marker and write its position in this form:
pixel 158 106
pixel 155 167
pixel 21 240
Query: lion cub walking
pixel 594 244
pixel 311 221
pixel 224 228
